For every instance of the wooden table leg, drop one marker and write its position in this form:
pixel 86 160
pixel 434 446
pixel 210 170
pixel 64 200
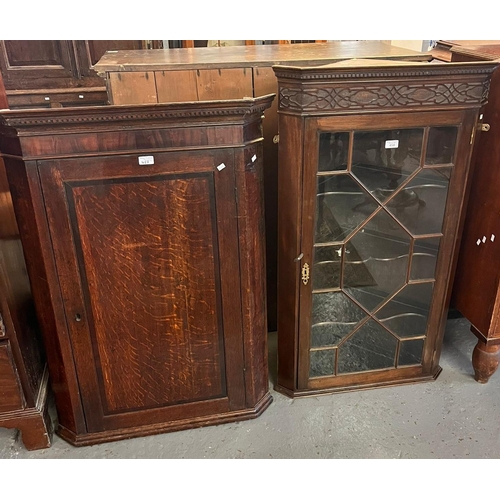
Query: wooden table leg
pixel 485 360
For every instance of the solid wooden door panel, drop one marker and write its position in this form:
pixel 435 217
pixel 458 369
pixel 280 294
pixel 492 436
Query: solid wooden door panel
pixel 148 294
pixel 36 58
pixel 173 253
pixel 88 52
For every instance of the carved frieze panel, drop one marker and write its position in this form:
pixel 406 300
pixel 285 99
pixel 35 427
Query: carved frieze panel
pixel 373 97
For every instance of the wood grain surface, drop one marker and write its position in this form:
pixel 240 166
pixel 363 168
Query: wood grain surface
pixel 148 252
pixel 249 56
pixel 149 278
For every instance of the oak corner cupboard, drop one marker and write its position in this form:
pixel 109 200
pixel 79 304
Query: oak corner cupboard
pixel 144 229
pixel 373 168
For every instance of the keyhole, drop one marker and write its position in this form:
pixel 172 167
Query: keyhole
pixel 78 317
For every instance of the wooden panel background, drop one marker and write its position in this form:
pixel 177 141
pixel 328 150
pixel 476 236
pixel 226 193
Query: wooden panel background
pixel 132 88
pixel 232 83
pixel 176 86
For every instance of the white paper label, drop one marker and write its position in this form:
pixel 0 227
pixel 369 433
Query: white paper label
pixel 146 160
pixel 391 144
pixel 221 167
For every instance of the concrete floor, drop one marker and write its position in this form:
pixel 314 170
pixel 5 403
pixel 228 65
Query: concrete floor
pixel 453 417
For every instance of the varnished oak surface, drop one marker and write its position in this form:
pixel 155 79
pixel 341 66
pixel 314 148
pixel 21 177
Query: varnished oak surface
pixel 152 297
pixel 248 56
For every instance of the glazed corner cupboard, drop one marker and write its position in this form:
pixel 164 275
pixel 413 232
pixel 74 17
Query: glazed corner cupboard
pixel 143 227
pixel 373 166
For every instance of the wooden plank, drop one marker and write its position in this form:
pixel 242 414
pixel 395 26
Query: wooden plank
pixel 250 56
pixel 132 88
pixel 176 86
pixel 233 83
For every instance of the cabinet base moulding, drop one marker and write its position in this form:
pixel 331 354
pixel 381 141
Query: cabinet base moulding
pixel 302 393
pixel 91 438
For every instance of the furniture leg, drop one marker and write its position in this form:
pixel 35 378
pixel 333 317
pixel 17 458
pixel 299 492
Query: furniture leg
pixel 36 432
pixel 485 360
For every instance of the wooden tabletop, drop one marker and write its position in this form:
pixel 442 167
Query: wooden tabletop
pixel 249 56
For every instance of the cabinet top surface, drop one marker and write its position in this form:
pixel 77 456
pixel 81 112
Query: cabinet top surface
pixel 354 69
pixel 489 52
pixel 248 56
pixel 91 118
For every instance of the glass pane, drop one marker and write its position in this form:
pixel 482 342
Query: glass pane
pixel 333 151
pixel 441 145
pixel 410 352
pixel 423 262
pixel 370 348
pixel 407 313
pixel 341 206
pixel 376 261
pixel 420 205
pixel 322 363
pixel 383 160
pixel 333 317
pixel 326 269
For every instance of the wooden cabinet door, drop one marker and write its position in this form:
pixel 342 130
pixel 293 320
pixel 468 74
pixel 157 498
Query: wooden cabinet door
pixel 22 60
pixel 381 208
pixel 88 52
pixel 148 268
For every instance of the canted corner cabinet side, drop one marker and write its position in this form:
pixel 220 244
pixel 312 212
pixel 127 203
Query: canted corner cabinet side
pixel 23 371
pixel 147 225
pixel 373 170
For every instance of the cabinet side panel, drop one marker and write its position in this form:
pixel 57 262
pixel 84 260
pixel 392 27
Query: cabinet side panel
pixel 251 228
pixel 132 88
pixel 452 231
pixel 475 286
pixel 289 226
pixel 176 86
pixel 30 214
pixel 265 83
